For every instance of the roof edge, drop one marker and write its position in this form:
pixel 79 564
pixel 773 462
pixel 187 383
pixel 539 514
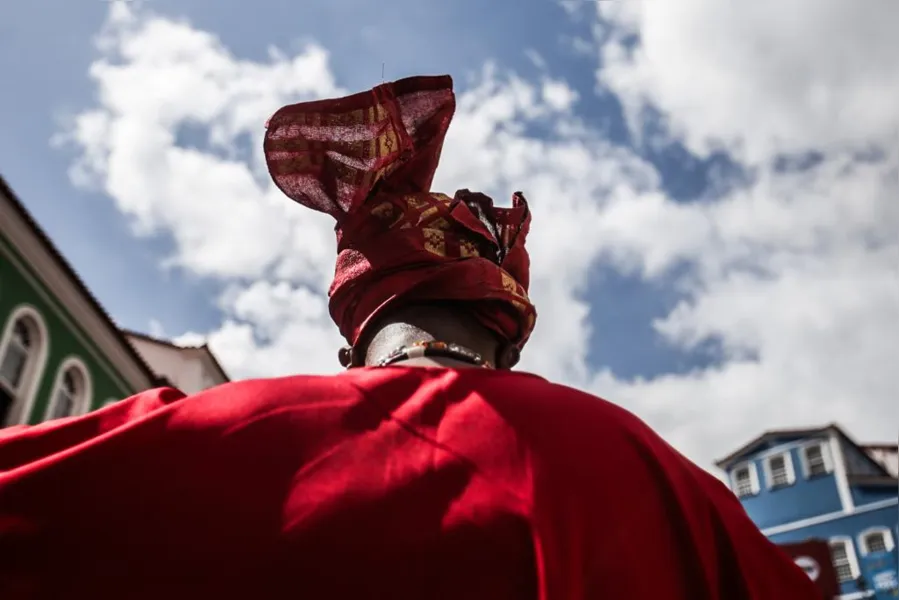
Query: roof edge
pixel 170 344
pixel 79 284
pixel 731 458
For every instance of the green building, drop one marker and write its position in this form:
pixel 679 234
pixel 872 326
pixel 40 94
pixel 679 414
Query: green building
pixel 60 352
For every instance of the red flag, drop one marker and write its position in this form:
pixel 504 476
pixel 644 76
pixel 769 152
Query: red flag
pixel 813 557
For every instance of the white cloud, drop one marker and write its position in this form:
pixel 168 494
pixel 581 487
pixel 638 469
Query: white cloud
pixel 558 95
pixel 156 329
pixel 536 59
pixel 794 274
pixel 274 328
pixel 158 78
pixel 757 77
pixel 791 274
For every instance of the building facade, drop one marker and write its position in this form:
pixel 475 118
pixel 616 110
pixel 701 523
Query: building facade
pixel 189 368
pixel 60 352
pixel 819 484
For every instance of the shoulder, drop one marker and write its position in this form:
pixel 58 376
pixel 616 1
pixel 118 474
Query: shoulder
pixel 231 404
pixel 560 416
pixel 591 445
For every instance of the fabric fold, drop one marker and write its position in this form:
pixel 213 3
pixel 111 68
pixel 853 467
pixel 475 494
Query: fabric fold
pixel 369 160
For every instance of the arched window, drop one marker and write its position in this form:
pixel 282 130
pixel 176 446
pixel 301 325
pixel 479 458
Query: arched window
pixel 19 348
pixel 23 351
pixel 71 392
pixel 875 539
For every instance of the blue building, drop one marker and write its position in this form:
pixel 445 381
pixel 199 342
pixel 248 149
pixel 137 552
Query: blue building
pixel 818 483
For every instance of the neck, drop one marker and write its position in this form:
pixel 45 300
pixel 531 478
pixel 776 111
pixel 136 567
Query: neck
pixel 429 324
pixel 437 361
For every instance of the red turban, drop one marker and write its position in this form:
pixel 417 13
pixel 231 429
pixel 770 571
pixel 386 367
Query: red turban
pixel 368 160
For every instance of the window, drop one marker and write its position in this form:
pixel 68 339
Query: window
pixel 67 395
pixel 744 480
pixel 779 470
pixel 19 349
pixel 875 542
pixel 71 393
pixel 844 560
pixel 23 349
pixel 816 460
pixel 876 539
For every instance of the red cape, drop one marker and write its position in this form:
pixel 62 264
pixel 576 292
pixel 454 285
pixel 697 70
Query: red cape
pixel 378 483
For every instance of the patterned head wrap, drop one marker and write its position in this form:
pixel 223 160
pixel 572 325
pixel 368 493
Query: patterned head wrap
pixel 368 160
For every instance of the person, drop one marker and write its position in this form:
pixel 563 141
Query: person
pixel 427 469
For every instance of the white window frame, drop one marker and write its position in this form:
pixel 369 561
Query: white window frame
pixel 753 478
pixel 788 466
pixel 887 539
pixel 825 454
pixel 72 362
pixel 20 411
pixel 851 557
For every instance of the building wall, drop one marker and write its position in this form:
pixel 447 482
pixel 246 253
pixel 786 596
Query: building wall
pixel 812 508
pixel 857 462
pixel 803 499
pixel 850 526
pixel 888 458
pixel 168 362
pixel 20 286
pixel 186 368
pixel 871 494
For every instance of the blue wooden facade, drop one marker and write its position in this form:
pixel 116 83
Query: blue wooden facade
pixel 820 484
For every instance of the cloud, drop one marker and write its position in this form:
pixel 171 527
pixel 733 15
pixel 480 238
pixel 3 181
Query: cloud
pixel 791 273
pixel 158 78
pixel 757 78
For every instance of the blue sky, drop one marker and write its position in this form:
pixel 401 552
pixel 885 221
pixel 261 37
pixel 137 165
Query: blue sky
pixel 689 275
pixel 436 37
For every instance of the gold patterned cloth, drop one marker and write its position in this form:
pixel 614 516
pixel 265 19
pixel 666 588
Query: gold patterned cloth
pixel 369 160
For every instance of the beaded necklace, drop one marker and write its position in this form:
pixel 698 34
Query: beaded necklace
pixel 435 349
